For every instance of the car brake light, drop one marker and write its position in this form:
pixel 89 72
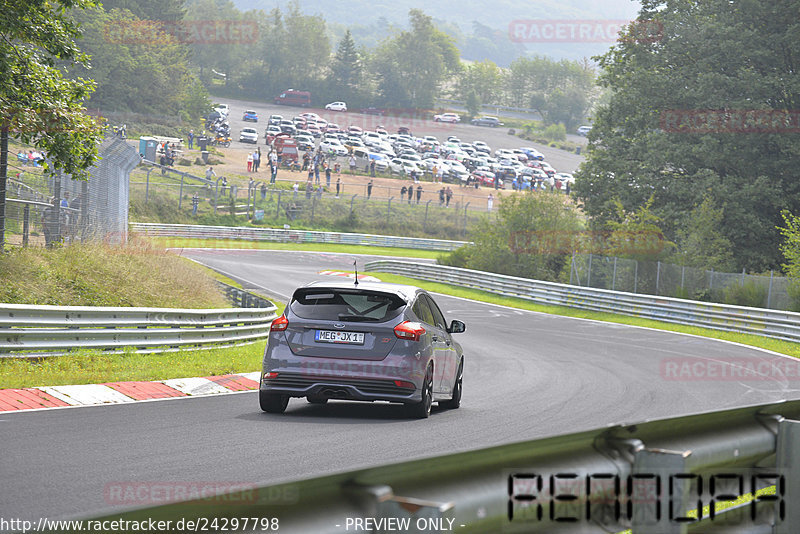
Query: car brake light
pixel 404 384
pixel 409 330
pixel 280 324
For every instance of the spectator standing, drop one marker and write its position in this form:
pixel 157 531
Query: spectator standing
pixel 65 200
pixel 309 189
pixel 256 159
pixel 328 175
pixel 210 174
pixel 403 191
pixel 263 191
pixel 191 138
pixel 369 189
pixel 419 193
pixel 372 168
pixel 352 164
pixel 440 174
pixel 410 193
pixel 448 195
pixel 274 172
pixel 249 162
pixel 337 169
pixel 435 172
pixel 295 189
pixel 338 186
pixel 489 202
pixel 316 172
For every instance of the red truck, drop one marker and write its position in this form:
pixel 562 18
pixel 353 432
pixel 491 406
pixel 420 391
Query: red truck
pixel 286 148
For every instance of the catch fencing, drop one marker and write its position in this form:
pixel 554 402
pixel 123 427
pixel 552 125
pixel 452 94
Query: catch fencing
pixel 769 323
pixel 288 236
pixel 671 476
pixel 47 209
pixel 667 279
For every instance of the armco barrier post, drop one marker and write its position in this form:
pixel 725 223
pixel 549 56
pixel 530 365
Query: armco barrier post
pixel 26 214
pixel 769 292
pixel 389 209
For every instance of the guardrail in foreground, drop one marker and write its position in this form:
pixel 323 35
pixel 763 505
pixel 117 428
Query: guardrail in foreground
pixel 290 236
pixel 37 331
pixel 647 477
pixel 762 322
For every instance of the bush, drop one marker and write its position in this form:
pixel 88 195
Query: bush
pixel 748 294
pixel 456 258
pixel 556 132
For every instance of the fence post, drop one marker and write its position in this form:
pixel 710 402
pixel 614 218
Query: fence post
pixel 635 275
pixel 571 267
pixel 711 279
pixel 683 275
pixel 769 293
pixel 56 236
pixel 278 208
pixel 465 217
pixel 147 185
pixel 216 195
pixel 389 209
pixel 180 193
pixel 614 276
pixel 658 274
pixel 589 276
pixel 26 215
pixel 742 282
pixel 313 207
pixel 351 204
pixel 425 222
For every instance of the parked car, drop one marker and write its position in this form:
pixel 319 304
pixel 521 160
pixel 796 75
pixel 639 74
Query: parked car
pixel 250 116
pixel 486 120
pixel 248 135
pixel 532 153
pixel 447 117
pixel 290 97
pixel 370 342
pixel 486 178
pixel 584 130
pixel 480 146
pixel 373 111
pixel 222 109
pixel 331 145
pixel 336 106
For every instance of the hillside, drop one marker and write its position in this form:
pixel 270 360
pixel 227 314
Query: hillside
pixel 462 15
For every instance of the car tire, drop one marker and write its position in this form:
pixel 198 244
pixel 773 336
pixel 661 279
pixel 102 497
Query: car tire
pixel 316 400
pixel 422 409
pixel 273 402
pixel 458 389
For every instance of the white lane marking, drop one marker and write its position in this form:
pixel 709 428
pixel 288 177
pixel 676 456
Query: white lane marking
pixel 607 323
pixel 424 260
pixel 196 386
pixel 86 394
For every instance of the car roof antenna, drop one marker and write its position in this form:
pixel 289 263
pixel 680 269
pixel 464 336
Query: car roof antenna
pixel 355 278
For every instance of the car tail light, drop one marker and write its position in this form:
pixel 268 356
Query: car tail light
pixel 404 384
pixel 280 324
pixel 409 330
pixel 271 374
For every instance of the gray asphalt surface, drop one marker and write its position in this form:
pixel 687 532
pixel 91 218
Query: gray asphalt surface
pixel 495 137
pixel 527 376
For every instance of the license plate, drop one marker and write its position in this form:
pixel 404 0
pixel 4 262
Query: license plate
pixel 335 336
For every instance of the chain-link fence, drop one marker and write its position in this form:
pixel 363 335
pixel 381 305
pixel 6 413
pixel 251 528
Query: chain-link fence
pixel 173 197
pixel 46 209
pixel 670 280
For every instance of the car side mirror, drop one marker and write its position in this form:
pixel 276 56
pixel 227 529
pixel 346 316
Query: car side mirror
pixel 456 327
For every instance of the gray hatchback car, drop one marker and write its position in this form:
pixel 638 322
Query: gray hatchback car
pixel 365 342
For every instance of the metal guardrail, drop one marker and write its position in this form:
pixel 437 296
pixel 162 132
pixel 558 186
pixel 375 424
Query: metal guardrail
pixel 290 236
pixel 647 477
pixel 33 331
pixel 184 175
pixel 243 298
pixel 762 322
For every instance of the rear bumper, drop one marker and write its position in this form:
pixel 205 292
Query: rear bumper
pixel 333 387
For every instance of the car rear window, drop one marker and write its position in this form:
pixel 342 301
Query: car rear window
pixel 337 304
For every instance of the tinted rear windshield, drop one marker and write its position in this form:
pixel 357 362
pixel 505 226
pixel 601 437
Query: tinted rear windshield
pixel 327 304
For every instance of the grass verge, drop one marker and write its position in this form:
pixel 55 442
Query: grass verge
pixel 784 347
pixel 94 367
pixel 175 242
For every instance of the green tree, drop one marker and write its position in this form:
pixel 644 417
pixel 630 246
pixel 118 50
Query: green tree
pixel 484 79
pixel 533 236
pixel 637 234
pixel 411 67
pixel 346 67
pixel 39 104
pixel 790 248
pixel 473 104
pixel 701 241
pixel 713 55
